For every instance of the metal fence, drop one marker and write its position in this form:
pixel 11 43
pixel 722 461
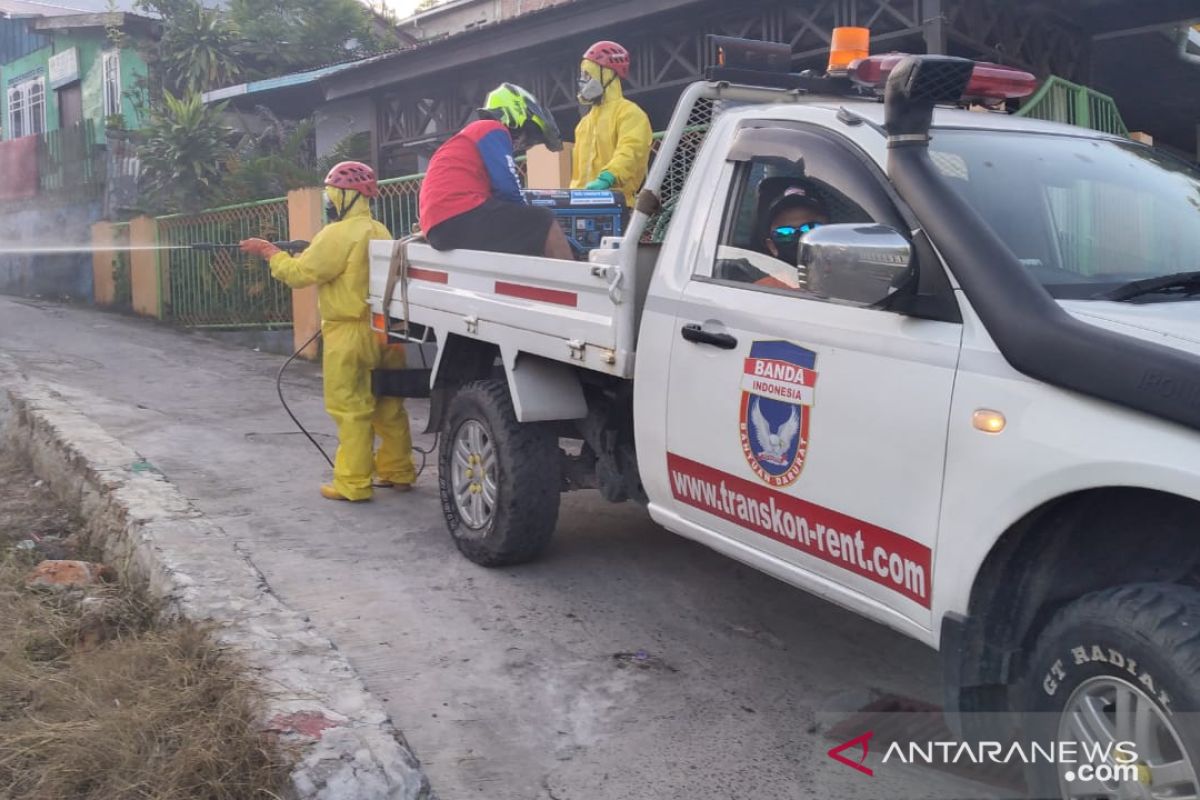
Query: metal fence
pixel 1060 100
pixel 69 160
pixel 222 288
pixel 396 207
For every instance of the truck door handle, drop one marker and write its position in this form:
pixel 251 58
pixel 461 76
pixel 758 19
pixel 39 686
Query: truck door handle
pixel 694 333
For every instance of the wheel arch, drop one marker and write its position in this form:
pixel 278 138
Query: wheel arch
pixel 1067 547
pixel 459 361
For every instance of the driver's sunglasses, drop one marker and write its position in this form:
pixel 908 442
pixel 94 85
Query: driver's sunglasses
pixel 792 233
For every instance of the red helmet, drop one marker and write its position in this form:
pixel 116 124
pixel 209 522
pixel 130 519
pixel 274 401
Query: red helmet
pixel 611 55
pixel 355 176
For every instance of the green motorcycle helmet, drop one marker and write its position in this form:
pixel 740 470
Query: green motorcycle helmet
pixel 520 112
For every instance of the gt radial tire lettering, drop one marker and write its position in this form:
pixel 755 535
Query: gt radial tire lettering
pixel 880 555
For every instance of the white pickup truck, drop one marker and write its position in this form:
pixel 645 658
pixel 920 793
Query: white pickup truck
pixel 972 413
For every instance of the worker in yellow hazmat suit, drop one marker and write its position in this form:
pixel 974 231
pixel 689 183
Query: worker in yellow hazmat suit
pixel 612 141
pixel 336 262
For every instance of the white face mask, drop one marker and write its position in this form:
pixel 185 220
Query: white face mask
pixel 590 89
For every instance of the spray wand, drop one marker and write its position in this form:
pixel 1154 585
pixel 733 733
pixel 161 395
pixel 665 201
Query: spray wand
pixel 291 247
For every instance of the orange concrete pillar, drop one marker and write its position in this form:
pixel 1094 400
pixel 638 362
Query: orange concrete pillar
pixel 547 170
pixel 305 218
pixel 104 288
pixel 143 267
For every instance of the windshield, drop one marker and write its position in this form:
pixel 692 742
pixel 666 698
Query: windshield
pixel 1083 215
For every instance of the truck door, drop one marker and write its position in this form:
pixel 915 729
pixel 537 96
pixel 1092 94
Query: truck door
pixel 806 431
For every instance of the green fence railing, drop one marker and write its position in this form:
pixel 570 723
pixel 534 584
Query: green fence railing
pixel 1059 100
pixel 396 206
pixel 223 288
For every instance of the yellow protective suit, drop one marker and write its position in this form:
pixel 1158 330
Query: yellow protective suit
pixel 336 261
pixel 614 136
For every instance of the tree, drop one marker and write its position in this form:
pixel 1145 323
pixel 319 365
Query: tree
pixel 282 36
pixel 270 163
pixel 198 50
pixel 184 150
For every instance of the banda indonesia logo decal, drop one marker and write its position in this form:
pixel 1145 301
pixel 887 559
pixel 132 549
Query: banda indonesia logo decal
pixel 778 386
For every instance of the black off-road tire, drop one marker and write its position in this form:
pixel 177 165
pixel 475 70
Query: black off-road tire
pixel 1146 634
pixel 528 480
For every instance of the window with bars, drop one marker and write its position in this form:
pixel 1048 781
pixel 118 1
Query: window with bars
pixel 27 108
pixel 112 83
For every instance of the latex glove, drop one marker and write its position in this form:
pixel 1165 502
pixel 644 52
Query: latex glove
pixel 604 180
pixel 258 247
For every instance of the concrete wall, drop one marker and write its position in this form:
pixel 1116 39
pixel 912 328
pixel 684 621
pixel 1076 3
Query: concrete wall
pixel 342 118
pixel 457 16
pixel 58 276
pixel 452 18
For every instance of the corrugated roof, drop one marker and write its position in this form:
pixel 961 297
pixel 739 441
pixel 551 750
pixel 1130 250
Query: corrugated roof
pixel 283 81
pixel 63 7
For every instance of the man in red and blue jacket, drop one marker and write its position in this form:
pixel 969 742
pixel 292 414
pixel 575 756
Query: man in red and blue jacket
pixel 471 196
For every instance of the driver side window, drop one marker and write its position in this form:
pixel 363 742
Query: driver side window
pixel 782 195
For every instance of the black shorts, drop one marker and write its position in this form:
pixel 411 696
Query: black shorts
pixel 497 226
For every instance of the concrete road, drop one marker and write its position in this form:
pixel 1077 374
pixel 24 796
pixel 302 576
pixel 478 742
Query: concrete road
pixel 505 682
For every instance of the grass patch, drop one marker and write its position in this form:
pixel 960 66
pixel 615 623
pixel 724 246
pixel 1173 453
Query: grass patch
pixel 100 701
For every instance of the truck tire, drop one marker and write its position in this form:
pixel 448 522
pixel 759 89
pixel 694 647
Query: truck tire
pixel 1121 664
pixel 499 479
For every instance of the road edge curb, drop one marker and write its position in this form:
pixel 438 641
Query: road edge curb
pixel 347 746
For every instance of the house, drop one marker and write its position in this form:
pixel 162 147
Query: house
pixel 66 72
pixel 411 100
pixel 68 67
pixel 300 94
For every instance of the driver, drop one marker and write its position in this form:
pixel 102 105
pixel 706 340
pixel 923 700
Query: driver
pixel 794 210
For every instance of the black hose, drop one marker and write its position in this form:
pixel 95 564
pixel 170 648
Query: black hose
pixel 309 436
pixel 287 408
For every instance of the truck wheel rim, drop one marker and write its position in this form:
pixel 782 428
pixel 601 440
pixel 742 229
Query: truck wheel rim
pixel 1106 710
pixel 474 474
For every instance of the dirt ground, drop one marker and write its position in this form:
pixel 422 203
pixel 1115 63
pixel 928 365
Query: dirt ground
pixel 100 701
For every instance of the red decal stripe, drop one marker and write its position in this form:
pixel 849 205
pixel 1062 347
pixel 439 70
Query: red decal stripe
pixel 537 293
pixel 431 275
pixel 880 555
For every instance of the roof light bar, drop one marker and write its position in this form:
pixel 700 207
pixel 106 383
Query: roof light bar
pixel 989 82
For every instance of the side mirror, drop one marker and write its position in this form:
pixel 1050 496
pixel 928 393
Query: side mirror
pixel 855 263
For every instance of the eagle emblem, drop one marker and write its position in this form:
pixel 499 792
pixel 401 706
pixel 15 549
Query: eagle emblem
pixel 778 389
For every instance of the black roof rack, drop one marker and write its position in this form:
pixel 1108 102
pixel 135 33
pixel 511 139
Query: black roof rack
pixel 750 62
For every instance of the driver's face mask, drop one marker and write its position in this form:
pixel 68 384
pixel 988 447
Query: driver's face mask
pixel 789 252
pixel 591 86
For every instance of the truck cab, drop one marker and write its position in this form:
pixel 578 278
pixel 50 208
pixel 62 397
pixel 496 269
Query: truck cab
pixel 967 407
